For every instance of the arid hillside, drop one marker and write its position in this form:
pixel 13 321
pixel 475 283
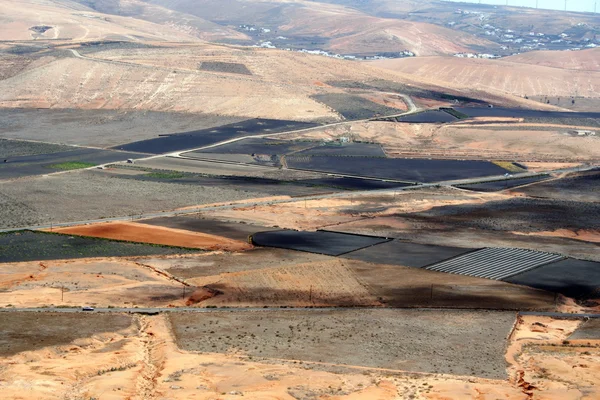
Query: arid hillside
pixel 509 77
pixel 588 60
pixel 213 79
pixel 335 27
pixel 68 20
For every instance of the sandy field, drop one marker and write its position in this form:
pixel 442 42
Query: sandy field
pixel 99 282
pixel 138 358
pixel 328 213
pixel 142 233
pixel 470 140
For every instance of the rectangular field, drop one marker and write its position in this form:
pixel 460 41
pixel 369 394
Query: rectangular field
pixel 40 164
pixel 504 184
pixel 28 331
pixel 433 341
pixel 574 278
pixel 231 230
pixel 406 254
pixel 434 116
pixel 31 246
pixel 205 137
pixel 414 170
pixel 320 242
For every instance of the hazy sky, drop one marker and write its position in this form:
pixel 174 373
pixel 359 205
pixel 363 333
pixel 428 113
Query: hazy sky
pixel 572 5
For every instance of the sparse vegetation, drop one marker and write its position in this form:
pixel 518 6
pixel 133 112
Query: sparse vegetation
pixel 71 165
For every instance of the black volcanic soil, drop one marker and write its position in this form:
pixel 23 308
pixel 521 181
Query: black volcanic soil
pixel 518 214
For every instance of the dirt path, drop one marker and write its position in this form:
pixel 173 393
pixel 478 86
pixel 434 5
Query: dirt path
pixel 153 358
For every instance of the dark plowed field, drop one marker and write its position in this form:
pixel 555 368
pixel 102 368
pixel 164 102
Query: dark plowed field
pixel 226 67
pixel 231 230
pixel 584 186
pixel 320 242
pixel 262 186
pixel 434 116
pixel 354 107
pixel 259 146
pixel 205 137
pixel 40 164
pixel 406 254
pixel 411 170
pixel 31 246
pixel 589 330
pixel 345 150
pixel 573 278
pixel 522 113
pixel 517 214
pixel 20 148
pixel 497 186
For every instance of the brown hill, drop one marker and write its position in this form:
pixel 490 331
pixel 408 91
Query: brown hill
pixel 588 59
pixel 66 19
pixel 216 79
pixel 499 75
pixel 338 28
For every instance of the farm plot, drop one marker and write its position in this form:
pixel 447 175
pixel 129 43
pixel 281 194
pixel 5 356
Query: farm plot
pixel 522 113
pixel 100 128
pixel 144 233
pixel 20 148
pixel 92 281
pixel 574 278
pixel 398 286
pixel 583 186
pixel 345 150
pixel 225 67
pixel 40 164
pixel 29 246
pixel 517 215
pixel 94 194
pixel 231 230
pixel 26 331
pixel 320 242
pixel 206 137
pixel 451 342
pixel 353 107
pixel 316 284
pixel 257 146
pixel 261 186
pixel 496 186
pixel 411 170
pixel 406 254
pixel 589 330
pixel 215 263
pixel 425 117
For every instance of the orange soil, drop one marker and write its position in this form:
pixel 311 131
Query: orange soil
pixel 134 232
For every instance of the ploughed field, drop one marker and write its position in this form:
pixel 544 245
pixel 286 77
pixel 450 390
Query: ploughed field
pixel 193 139
pixel 365 160
pixel 31 246
pixel 72 158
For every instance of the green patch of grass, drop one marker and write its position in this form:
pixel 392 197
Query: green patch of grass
pixel 166 175
pixel 70 165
